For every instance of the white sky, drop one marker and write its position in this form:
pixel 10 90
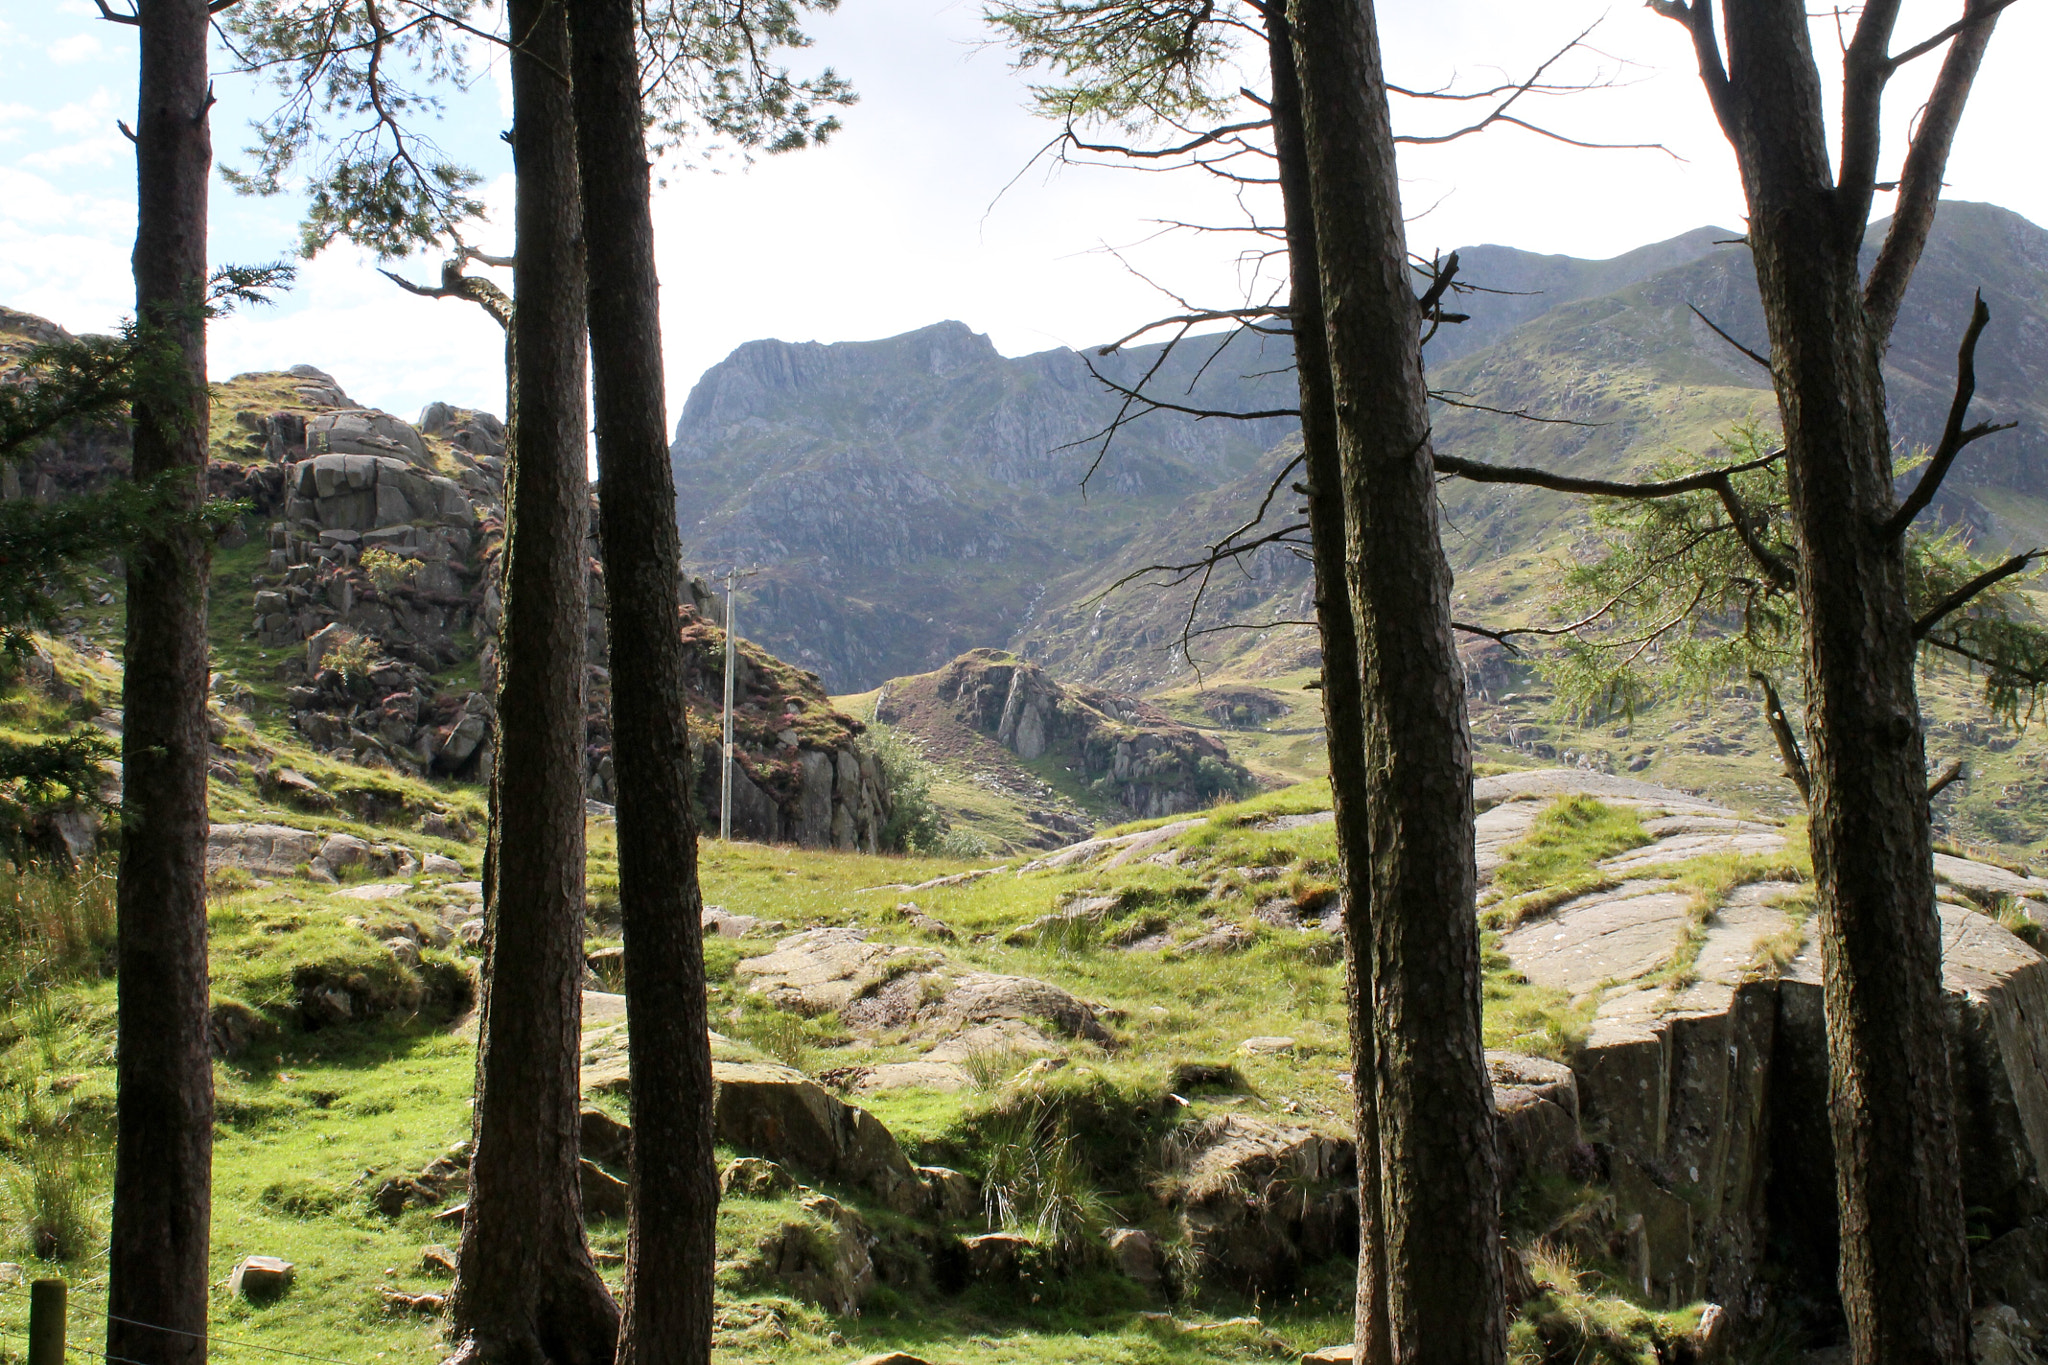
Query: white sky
pixel 903 220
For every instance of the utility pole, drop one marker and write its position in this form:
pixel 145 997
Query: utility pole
pixel 732 573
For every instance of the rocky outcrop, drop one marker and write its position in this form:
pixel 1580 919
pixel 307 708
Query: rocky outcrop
pixel 1701 1086
pixel 383 562
pixel 885 986
pixel 1257 1201
pixel 801 772
pixel 888 458
pixel 1135 758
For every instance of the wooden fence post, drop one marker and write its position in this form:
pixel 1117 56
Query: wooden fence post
pixel 46 1323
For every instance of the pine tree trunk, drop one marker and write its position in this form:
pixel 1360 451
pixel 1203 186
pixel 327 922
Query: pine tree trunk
pixel 1440 1216
pixel 1891 1104
pixel 526 1289
pixel 671 1245
pixel 1343 711
pixel 163 1147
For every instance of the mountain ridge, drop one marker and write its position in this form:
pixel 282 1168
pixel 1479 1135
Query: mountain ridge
pixel 867 465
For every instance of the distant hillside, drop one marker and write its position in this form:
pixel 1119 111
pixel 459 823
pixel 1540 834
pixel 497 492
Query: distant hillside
pixel 1025 761
pixel 920 496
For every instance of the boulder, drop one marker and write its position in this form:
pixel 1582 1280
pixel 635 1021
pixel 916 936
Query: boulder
pixel 828 969
pixel 754 1177
pixel 1136 1253
pixel 885 985
pixel 364 431
pixel 822 1258
pixel 944 1076
pixel 1000 1257
pixel 718 920
pixel 1256 1201
pixel 1536 1116
pixel 260 1278
pixel 604 1194
pixel 987 997
pixel 261 850
pixel 783 1114
pixel 603 1138
pixel 953 1195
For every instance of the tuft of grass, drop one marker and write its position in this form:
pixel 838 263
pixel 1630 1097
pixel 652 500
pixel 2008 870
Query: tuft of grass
pixel 2015 920
pixel 55 926
pixel 992 1065
pixel 1508 913
pixel 1571 835
pixel 52 1185
pixel 1038 1181
pixel 1580 1315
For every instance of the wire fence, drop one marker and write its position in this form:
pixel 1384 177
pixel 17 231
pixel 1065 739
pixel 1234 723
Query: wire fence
pixel 97 1286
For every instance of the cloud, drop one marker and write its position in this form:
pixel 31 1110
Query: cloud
pixel 98 151
pixel 93 114
pixel 79 47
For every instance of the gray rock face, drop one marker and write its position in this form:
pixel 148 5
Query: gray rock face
pixel 363 431
pixel 370 492
pixel 1702 1084
pixel 876 986
pixel 1257 1201
pixel 279 851
pixel 1129 751
pixel 890 455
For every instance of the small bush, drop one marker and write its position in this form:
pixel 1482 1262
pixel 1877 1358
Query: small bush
pixel 386 569
pixel 352 657
pixel 960 843
pixel 914 824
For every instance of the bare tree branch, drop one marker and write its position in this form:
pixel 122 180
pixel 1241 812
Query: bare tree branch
pixel 1953 773
pixel 1717 481
pixel 1452 398
pixel 1977 15
pixel 1698 18
pixel 1926 159
pixel 456 285
pixel 1789 752
pixel 1761 360
pixel 1954 435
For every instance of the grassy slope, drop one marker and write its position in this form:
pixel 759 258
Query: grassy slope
pixel 312 1123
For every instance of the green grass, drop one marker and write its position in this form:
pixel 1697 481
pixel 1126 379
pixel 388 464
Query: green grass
pixel 1571 835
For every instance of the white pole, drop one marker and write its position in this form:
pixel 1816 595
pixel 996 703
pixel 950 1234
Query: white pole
pixel 725 779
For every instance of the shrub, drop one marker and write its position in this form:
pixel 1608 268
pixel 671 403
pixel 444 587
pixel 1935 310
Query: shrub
pixel 914 824
pixel 352 657
pixel 387 569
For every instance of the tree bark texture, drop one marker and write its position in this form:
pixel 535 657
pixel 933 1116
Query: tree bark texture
pixel 1439 1183
pixel 163 1147
pixel 671 1243
pixel 1343 703
pixel 1903 1268
pixel 526 1289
